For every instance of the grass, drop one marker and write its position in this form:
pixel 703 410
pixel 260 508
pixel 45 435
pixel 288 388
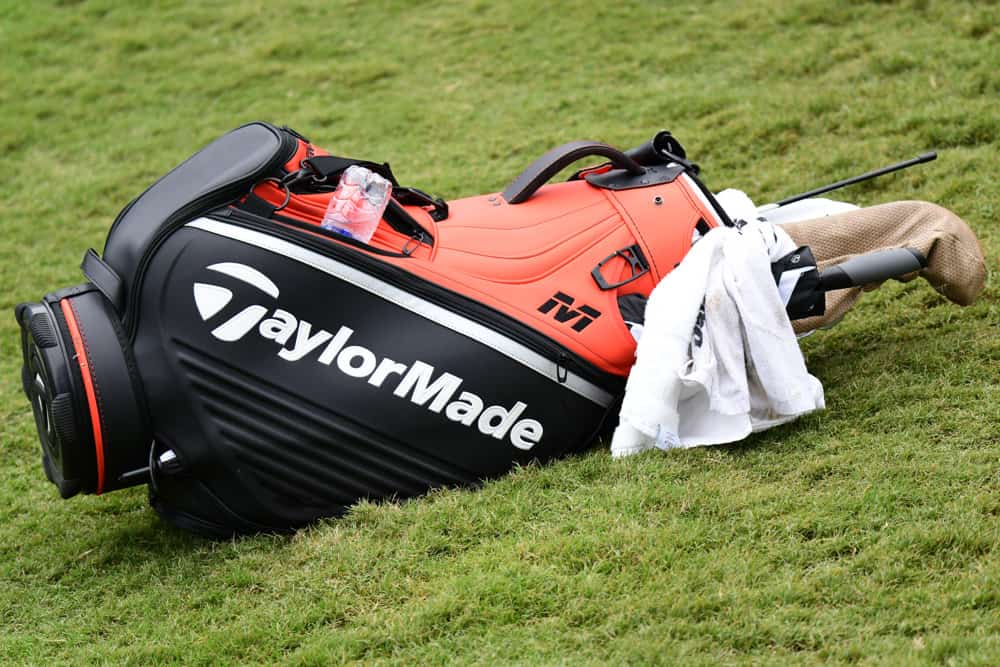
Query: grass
pixel 868 533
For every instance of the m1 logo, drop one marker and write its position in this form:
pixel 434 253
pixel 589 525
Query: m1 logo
pixel 583 314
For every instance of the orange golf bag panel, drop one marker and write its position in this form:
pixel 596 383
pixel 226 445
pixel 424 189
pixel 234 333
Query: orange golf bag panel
pixel 559 257
pixel 258 371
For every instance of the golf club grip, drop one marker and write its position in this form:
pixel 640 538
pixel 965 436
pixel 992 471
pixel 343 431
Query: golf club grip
pixel 872 267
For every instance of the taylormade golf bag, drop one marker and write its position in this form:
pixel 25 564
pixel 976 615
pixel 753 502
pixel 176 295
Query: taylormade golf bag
pixel 259 371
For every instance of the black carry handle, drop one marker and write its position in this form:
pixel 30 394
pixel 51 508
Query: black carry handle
pixel 557 159
pixel 872 267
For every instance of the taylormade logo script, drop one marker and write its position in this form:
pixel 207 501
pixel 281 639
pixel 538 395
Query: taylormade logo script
pixel 416 382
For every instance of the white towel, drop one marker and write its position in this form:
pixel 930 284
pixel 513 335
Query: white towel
pixel 717 358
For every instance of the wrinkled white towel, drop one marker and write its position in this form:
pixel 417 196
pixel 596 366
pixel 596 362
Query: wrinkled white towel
pixel 741 208
pixel 712 375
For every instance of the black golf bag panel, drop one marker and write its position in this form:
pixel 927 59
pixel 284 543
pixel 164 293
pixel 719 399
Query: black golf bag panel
pixel 79 372
pixel 215 175
pixel 259 372
pixel 287 403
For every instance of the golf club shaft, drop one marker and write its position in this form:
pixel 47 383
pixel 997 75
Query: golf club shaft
pixel 925 157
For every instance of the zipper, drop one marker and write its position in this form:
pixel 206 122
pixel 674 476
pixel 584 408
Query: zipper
pixel 564 358
pixel 310 228
pixel 186 212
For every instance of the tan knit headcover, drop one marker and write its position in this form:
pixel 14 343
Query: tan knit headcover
pixel 956 267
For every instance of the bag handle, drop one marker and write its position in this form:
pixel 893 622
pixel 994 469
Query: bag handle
pixel 560 157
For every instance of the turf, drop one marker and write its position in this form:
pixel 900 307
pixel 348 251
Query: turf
pixel 868 533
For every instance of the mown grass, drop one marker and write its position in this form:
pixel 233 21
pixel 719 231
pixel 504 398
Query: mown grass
pixel 868 533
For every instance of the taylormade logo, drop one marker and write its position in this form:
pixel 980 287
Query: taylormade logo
pixel 417 382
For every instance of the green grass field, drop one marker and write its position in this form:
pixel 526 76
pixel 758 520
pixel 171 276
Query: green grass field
pixel 869 533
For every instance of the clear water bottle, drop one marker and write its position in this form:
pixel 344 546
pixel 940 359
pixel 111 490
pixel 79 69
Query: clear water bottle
pixel 357 204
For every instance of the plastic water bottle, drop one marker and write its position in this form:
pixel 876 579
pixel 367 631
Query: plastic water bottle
pixel 357 204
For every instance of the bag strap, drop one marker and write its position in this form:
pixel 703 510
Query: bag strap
pixel 104 278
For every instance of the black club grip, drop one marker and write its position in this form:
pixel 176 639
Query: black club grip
pixel 872 267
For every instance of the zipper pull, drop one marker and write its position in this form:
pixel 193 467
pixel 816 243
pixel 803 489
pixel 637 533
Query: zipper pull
pixel 410 246
pixel 562 372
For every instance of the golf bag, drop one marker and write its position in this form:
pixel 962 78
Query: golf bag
pixel 259 372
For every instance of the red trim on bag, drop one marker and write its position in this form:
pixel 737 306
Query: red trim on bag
pixel 88 385
pixel 599 169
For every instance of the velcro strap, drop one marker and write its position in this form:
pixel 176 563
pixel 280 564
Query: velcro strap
pixel 331 165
